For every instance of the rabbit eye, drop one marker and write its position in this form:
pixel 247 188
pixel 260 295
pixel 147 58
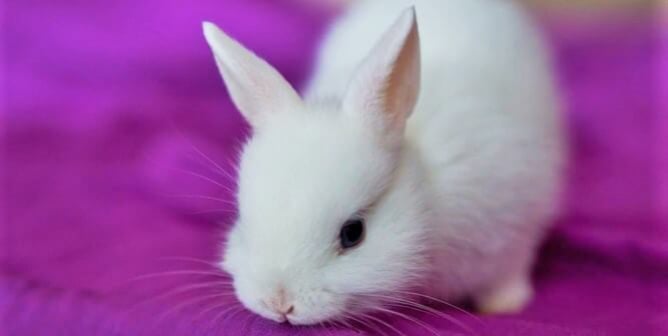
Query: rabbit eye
pixel 352 233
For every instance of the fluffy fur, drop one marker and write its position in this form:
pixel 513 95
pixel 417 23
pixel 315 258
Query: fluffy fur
pixel 456 195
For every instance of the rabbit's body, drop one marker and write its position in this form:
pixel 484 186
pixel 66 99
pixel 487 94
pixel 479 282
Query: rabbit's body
pixel 450 201
pixel 484 130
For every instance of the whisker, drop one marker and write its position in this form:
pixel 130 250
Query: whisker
pixel 334 326
pixel 344 322
pixel 225 211
pixel 188 303
pixel 180 290
pixel 387 325
pixel 408 318
pixel 322 326
pixel 248 320
pixel 180 272
pixel 235 306
pixel 129 282
pixel 224 201
pixel 423 308
pixel 232 314
pixel 232 161
pixel 219 169
pixel 205 178
pixel 366 324
pixel 467 313
pixel 201 261
pixel 208 309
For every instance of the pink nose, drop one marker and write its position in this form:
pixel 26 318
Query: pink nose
pixel 280 303
pixel 284 309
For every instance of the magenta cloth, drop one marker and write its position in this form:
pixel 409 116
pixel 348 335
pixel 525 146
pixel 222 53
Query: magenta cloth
pixel 113 115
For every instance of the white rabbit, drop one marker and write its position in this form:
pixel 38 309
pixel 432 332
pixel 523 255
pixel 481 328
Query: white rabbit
pixel 346 204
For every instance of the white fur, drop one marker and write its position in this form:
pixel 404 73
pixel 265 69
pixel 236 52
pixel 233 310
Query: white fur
pixel 462 192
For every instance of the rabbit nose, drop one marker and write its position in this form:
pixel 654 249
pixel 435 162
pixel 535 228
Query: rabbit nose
pixel 280 303
pixel 285 310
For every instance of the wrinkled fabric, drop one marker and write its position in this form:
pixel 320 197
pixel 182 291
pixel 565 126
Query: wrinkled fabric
pixel 119 142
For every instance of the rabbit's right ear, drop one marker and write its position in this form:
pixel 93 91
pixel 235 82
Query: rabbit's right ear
pixel 385 88
pixel 256 88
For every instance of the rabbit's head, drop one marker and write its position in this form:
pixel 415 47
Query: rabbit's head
pixel 330 213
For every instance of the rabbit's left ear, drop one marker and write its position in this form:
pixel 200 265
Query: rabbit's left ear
pixel 385 88
pixel 256 88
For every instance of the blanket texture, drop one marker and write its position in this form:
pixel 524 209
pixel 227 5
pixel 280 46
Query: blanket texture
pixel 117 151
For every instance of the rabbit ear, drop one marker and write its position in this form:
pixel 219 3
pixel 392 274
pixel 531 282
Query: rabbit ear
pixel 385 87
pixel 256 88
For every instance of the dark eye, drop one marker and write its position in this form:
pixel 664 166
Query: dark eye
pixel 352 233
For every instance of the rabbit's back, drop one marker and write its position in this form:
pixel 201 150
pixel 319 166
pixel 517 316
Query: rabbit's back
pixel 485 126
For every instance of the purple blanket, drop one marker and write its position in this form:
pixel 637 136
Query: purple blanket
pixel 117 150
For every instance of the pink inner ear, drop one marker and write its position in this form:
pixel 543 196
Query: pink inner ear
pixel 256 88
pixel 403 82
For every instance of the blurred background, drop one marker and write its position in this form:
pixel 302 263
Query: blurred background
pixel 118 145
